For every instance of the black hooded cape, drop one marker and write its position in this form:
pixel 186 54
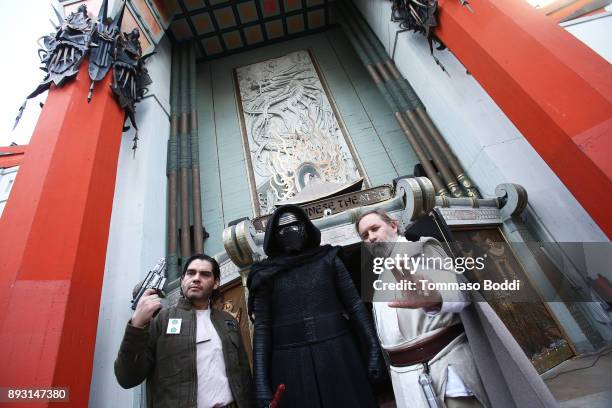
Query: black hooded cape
pixel 278 262
pixel 301 336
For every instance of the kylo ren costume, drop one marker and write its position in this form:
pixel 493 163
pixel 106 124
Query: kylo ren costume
pixel 299 297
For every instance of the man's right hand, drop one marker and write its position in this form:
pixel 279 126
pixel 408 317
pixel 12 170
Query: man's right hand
pixel 416 299
pixel 148 304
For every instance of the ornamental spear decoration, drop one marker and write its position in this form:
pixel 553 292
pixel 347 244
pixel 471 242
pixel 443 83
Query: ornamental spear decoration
pixel 103 41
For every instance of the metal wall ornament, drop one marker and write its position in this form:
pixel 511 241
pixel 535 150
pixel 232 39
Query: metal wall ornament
pixel 130 77
pixel 421 17
pixel 103 41
pixel 62 53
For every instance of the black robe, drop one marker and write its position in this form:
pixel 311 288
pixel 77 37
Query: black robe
pixel 302 337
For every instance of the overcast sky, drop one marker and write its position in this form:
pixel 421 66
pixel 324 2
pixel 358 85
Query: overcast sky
pixel 21 24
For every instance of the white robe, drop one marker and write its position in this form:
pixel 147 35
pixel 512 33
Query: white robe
pixel 398 327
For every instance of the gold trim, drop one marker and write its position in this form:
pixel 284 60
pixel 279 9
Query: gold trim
pixel 244 232
pixel 444 203
pixel 428 194
pixel 232 246
pixel 454 189
pixel 412 191
pixel 420 154
pixel 373 74
pixel 383 72
pixel 393 69
pixel 467 185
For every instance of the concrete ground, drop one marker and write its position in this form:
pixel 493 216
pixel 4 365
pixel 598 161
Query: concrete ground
pixel 584 381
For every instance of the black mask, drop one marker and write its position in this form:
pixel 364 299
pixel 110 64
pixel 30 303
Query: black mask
pixel 291 238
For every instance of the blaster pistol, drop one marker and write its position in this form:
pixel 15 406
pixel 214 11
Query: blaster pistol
pixel 155 279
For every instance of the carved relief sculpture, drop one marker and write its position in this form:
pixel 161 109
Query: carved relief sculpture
pixel 293 134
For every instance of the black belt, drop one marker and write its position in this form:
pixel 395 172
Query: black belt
pixel 309 330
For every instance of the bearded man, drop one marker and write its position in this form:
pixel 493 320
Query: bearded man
pixel 445 348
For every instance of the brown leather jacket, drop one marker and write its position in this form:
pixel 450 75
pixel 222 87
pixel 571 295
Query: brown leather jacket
pixel 168 361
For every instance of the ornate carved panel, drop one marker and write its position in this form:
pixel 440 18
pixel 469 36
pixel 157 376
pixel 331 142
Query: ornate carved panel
pixel 293 135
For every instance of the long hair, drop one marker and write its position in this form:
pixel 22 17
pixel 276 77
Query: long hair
pixel 216 270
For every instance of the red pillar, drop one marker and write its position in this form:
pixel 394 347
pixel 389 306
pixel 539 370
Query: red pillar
pixel 53 238
pixel 556 90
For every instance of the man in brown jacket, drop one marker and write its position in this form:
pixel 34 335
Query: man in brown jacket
pixel 191 355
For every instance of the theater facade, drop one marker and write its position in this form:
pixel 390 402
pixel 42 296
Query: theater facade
pixel 492 137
